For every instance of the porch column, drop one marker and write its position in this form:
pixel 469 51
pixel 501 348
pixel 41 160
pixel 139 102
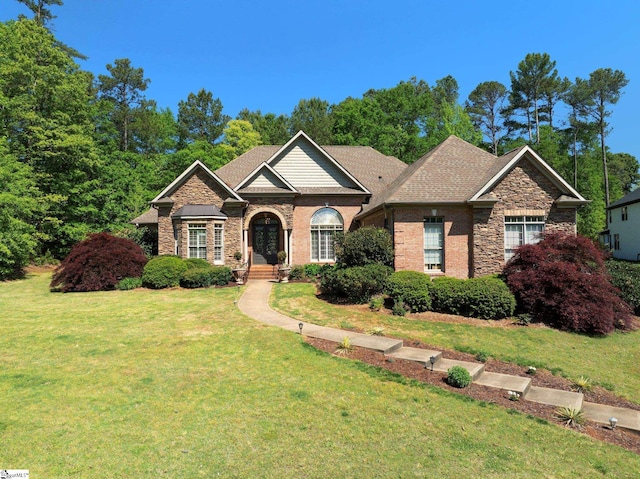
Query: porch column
pixel 245 245
pixel 286 245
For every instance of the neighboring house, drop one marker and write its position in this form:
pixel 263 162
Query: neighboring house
pixel 623 235
pixel 458 210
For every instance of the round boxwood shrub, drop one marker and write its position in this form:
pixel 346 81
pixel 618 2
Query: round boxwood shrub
pixel 196 263
pixel 163 272
pixel 98 263
pixel 413 287
pixel 364 246
pixel 458 377
pixel 221 275
pixel 357 284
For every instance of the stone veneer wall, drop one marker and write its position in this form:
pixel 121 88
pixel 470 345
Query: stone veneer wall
pixel 199 189
pixel 524 191
pixel 408 235
pixel 304 209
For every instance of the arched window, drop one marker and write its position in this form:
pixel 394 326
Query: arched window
pixel 324 224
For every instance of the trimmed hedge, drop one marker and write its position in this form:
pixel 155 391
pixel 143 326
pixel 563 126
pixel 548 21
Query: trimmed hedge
pixel 458 377
pixel 484 298
pixel 357 284
pixel 197 277
pixel 625 276
pixel 163 272
pixel 412 288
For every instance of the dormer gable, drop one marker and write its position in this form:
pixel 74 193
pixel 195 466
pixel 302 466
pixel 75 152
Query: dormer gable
pixel 265 178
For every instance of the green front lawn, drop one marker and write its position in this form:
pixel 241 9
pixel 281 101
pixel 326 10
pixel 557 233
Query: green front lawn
pixel 612 361
pixel 178 383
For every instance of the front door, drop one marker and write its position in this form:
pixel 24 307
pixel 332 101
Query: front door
pixel 265 240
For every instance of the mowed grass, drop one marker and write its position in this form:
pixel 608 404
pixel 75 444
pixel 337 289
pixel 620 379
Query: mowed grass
pixel 612 361
pixel 179 383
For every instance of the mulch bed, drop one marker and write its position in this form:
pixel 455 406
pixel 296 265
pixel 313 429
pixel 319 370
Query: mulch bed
pixel 413 370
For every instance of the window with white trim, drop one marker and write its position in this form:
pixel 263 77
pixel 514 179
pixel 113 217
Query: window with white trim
pixel 519 230
pixel 218 243
pixel 197 240
pixel 324 224
pixel 433 244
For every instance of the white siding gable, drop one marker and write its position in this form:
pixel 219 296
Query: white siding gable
pixel 303 166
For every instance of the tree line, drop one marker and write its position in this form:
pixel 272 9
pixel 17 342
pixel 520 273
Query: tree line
pixel 82 153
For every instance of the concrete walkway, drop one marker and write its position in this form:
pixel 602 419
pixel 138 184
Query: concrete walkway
pixel 255 304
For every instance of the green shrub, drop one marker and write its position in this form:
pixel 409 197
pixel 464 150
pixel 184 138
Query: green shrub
pixel 297 273
pixel 484 298
pixel 364 246
pixel 399 308
pixel 458 377
pixel 163 272
pixel 221 275
pixel 357 284
pixel 376 303
pixel 126 284
pixel 626 277
pixel 312 270
pixel 196 263
pixel 197 277
pixel 413 287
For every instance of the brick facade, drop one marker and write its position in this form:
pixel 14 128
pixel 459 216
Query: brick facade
pixel 408 237
pixel 304 209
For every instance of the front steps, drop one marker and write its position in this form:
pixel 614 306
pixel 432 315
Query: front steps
pixel 262 271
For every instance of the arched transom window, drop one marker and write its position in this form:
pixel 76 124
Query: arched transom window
pixel 324 224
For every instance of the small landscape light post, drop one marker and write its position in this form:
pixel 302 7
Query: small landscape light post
pixel 432 360
pixel 300 326
pixel 613 421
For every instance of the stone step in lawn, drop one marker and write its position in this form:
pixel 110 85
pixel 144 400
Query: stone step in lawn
pixel 507 382
pixel 554 397
pixel 416 354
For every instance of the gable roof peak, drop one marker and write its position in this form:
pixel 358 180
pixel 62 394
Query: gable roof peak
pixel 190 171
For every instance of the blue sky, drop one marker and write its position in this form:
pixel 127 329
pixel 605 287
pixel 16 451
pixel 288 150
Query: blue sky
pixel 269 55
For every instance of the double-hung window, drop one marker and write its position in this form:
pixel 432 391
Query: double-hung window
pixel 324 224
pixel 433 244
pixel 198 240
pixel 625 214
pixel 218 243
pixel 519 230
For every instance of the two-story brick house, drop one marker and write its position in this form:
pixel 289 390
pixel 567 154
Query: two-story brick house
pixel 458 210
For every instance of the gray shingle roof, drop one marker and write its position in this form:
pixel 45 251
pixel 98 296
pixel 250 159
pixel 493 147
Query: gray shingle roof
pixel 633 197
pixel 199 211
pixel 452 172
pixel 149 217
